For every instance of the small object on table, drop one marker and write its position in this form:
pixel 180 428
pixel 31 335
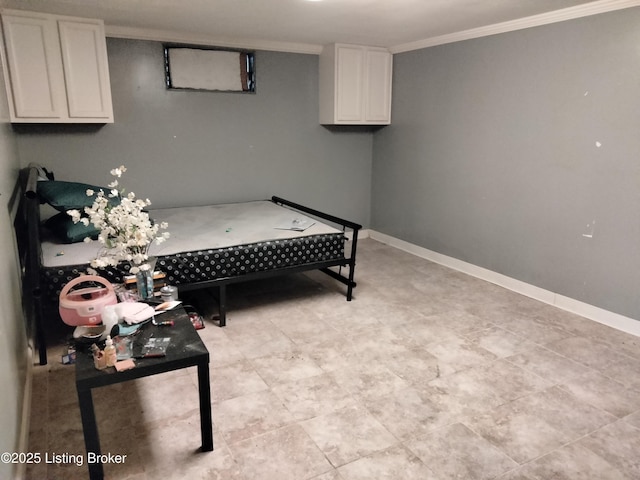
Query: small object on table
pixel 110 355
pixel 155 347
pixel 168 323
pixel 122 365
pixel 196 319
pixel 99 360
pixel 169 293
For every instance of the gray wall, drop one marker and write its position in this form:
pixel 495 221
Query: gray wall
pixel 492 156
pixel 193 148
pixel 13 343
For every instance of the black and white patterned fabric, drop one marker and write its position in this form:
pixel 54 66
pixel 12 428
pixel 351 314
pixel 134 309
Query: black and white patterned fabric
pixel 207 265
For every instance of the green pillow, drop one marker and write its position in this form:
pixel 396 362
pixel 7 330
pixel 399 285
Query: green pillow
pixel 62 226
pixel 65 196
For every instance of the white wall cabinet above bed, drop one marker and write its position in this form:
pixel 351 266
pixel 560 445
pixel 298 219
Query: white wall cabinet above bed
pixel 355 85
pixel 55 68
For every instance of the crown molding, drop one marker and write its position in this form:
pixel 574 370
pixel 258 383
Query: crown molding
pixel 593 8
pixel 169 36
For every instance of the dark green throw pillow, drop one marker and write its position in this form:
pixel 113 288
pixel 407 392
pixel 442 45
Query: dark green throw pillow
pixel 65 231
pixel 65 196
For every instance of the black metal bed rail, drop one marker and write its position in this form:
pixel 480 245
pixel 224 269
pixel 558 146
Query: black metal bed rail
pixel 351 260
pixel 311 211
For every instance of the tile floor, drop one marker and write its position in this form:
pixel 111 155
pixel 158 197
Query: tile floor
pixel 427 374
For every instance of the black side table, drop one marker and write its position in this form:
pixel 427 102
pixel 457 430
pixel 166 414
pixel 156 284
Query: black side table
pixel 185 350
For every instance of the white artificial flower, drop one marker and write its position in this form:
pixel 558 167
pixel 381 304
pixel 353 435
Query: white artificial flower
pixel 126 231
pixel 117 172
pixel 74 214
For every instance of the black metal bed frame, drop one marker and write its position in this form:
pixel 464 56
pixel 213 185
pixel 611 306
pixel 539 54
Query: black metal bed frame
pixel 323 266
pixel 27 227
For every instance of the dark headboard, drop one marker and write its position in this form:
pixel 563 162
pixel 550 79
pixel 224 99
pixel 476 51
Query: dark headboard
pixel 27 228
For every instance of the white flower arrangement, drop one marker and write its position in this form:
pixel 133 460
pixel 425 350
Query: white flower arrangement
pixel 126 231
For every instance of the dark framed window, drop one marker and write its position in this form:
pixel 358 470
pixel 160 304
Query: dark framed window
pixel 215 69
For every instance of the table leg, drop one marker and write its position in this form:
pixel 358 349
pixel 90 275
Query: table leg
pixel 222 302
pixel 204 388
pixel 90 429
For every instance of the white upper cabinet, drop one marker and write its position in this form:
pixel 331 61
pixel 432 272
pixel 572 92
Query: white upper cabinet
pixel 56 69
pixel 355 85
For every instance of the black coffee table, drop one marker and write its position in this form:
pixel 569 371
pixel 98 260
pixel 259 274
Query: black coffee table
pixel 186 349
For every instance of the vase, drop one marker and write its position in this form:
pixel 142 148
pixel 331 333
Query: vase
pixel 144 279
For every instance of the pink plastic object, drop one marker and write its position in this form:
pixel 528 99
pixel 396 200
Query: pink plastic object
pixel 84 306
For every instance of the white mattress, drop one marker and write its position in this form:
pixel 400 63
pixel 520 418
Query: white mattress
pixel 205 227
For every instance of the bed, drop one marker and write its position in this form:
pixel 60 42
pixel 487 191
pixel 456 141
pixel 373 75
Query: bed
pixel 210 246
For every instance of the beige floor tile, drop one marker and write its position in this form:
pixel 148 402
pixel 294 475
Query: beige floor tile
pixel 537 424
pixel 313 396
pixel 234 380
pixel 618 444
pixel 173 451
pixel 535 329
pixel 549 364
pixel 331 352
pixel 459 353
pixel 509 381
pixel 431 330
pixel 633 419
pixel 348 434
pixel 263 342
pixel 284 454
pixel 245 417
pixel 499 341
pixel 156 398
pixel 465 393
pixel 222 350
pixel 461 322
pixel 288 366
pixel 607 394
pixel 414 365
pixel 569 462
pixel 625 370
pixel 426 374
pixel 394 463
pixel 368 380
pixel 455 451
pixel 410 412
pixel 331 475
pixel 355 319
pixel 588 351
pixel 304 328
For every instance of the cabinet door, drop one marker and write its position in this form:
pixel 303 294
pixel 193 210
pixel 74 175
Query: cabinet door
pixel 85 69
pixel 377 91
pixel 349 83
pixel 35 70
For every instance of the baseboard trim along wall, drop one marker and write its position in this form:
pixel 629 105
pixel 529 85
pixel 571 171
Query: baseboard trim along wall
pixel 600 315
pixel 25 421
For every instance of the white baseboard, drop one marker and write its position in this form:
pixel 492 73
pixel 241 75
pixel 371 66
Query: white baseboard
pixel 25 420
pixel 600 315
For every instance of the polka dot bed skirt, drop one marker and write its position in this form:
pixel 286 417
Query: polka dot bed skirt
pixel 208 265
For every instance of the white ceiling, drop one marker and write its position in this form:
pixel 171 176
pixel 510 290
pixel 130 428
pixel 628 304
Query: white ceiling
pixel 306 25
